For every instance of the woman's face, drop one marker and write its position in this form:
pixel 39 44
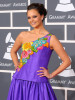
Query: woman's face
pixel 34 18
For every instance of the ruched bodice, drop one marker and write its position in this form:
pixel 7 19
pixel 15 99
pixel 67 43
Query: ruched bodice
pixel 35 54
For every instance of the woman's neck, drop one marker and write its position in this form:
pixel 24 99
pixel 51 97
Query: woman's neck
pixel 39 30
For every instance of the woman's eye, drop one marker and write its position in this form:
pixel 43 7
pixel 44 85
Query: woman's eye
pixel 35 16
pixel 28 17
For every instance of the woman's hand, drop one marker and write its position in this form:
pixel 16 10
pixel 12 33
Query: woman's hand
pixel 45 72
pixel 16 66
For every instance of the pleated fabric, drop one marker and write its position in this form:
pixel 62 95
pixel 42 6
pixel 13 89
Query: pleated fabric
pixel 29 90
pixel 26 84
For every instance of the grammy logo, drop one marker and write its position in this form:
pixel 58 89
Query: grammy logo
pixel 64 6
pixel 7 53
pixel 68 72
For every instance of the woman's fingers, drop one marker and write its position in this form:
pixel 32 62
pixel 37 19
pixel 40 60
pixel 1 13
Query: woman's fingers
pixel 40 73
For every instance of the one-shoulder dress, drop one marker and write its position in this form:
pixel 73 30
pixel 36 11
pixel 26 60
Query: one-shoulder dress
pixel 26 84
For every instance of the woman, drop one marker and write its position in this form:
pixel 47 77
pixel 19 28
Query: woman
pixel 30 81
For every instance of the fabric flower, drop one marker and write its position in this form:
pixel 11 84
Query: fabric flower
pixel 40 47
pixel 30 47
pixel 24 60
pixel 26 46
pixel 24 54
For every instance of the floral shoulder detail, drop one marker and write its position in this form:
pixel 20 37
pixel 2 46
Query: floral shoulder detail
pixel 49 34
pixel 30 47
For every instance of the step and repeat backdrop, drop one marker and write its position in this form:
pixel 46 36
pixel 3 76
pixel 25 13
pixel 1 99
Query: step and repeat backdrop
pixel 60 21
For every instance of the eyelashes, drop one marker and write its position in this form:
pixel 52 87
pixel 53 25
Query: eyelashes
pixel 33 17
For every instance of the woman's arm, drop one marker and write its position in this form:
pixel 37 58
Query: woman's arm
pixel 58 48
pixel 15 48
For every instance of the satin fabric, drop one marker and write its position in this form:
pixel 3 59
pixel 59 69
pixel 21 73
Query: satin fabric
pixel 29 90
pixel 26 84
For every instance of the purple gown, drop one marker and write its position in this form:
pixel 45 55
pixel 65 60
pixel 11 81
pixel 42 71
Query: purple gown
pixel 26 84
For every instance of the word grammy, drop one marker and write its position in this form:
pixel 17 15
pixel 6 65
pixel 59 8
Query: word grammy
pixel 62 17
pixel 5 64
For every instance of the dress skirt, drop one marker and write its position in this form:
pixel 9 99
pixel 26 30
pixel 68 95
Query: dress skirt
pixel 29 90
pixel 26 84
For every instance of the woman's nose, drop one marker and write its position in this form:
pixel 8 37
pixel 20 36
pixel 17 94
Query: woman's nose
pixel 31 19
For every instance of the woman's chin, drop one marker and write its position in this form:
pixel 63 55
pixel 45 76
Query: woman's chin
pixel 35 26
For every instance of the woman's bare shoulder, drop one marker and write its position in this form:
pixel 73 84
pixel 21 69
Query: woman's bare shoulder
pixel 25 33
pixel 24 36
pixel 53 39
pixel 55 43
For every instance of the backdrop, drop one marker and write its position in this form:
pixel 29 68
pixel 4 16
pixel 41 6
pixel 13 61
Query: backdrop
pixel 60 21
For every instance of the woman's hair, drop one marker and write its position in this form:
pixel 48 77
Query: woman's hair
pixel 39 7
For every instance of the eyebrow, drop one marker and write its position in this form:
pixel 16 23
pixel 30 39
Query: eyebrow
pixel 32 16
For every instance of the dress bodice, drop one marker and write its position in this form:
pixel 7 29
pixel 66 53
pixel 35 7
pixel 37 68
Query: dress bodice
pixel 35 54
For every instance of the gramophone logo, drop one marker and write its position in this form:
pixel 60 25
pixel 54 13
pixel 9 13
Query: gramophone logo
pixel 68 72
pixel 65 6
pixel 7 53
